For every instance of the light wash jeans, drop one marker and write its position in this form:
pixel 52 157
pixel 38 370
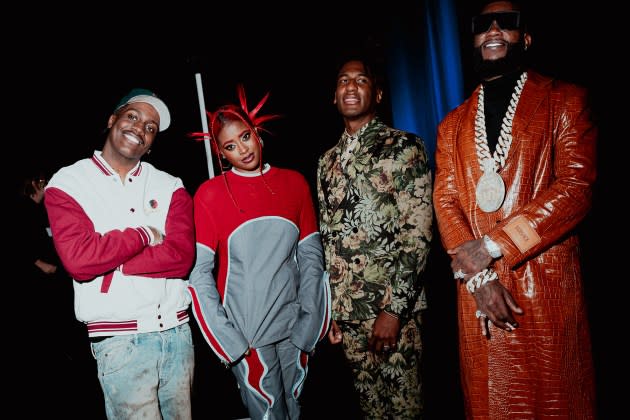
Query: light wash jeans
pixel 147 375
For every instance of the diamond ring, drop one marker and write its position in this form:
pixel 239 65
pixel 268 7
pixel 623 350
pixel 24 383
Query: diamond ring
pixel 459 274
pixel 480 314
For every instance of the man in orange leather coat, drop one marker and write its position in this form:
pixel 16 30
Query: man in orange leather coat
pixel 515 170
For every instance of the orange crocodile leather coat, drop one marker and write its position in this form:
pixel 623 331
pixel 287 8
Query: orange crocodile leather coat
pixel 544 368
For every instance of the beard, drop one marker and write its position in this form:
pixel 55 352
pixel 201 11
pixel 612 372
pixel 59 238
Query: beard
pixel 514 59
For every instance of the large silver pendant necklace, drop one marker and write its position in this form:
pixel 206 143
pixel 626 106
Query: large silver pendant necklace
pixel 490 191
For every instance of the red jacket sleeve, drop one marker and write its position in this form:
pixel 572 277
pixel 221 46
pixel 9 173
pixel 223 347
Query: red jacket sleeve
pixel 173 258
pixel 85 253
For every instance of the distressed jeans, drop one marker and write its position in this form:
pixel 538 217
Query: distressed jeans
pixel 147 375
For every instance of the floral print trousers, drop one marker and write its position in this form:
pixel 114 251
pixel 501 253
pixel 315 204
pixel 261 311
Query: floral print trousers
pixel 389 384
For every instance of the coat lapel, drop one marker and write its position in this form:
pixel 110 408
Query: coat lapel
pixel 534 93
pixel 468 145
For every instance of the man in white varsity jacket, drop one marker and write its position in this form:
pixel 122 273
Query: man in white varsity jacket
pixel 124 231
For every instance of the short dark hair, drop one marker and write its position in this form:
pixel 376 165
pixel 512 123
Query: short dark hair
pixel 27 184
pixel 371 68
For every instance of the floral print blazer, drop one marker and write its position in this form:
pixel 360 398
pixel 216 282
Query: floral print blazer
pixel 375 220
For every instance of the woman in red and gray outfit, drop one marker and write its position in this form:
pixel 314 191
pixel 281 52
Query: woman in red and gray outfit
pixel 269 304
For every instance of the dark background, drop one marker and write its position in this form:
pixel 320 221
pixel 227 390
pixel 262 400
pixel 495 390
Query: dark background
pixel 64 77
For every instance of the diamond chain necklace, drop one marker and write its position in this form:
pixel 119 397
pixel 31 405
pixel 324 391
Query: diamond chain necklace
pixel 505 136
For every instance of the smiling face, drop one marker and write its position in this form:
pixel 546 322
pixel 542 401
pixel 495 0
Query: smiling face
pixel 499 50
pixel 356 95
pixel 132 130
pixel 239 144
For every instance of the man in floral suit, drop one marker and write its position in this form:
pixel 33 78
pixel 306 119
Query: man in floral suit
pixel 374 191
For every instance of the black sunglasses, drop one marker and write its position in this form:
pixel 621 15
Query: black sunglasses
pixel 506 20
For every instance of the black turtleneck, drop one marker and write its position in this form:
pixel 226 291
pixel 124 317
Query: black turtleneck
pixel 497 95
